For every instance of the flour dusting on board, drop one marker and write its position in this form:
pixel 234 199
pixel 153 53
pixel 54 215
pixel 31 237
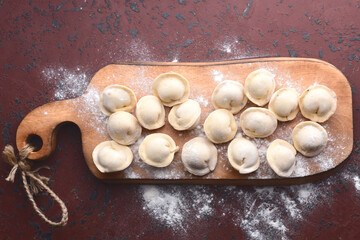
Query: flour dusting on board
pixel 88 107
pixel 217 76
pixel 202 101
pixel 74 83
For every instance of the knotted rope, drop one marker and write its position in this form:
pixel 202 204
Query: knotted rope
pixel 37 182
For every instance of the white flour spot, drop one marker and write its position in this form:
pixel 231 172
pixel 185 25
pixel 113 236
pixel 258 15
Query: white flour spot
pixel 357 182
pixel 217 76
pixel 232 49
pixel 202 101
pixel 170 206
pixel 227 48
pixel 198 131
pixel 138 50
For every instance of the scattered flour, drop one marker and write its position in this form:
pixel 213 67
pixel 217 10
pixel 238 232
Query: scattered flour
pixel 74 84
pixel 260 212
pixel 217 76
pixel 227 48
pixel 141 84
pixel 171 206
pixel 202 101
pixel 168 207
pixel 232 48
pixel 138 50
pixel 88 107
pixel 69 83
pixel 357 182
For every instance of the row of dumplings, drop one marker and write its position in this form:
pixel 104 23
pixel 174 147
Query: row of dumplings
pixel 199 155
pixel 317 103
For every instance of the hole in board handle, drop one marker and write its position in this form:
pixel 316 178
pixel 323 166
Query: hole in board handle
pixel 35 141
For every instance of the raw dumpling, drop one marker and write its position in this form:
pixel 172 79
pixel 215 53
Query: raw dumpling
pixel 185 115
pixel 309 138
pixel 318 103
pixel 284 104
pixel 243 155
pixel 281 157
pixel 199 156
pixel 150 112
pixel 229 95
pixel 116 98
pixel 110 156
pixel 258 122
pixel 123 128
pixel 220 126
pixel 259 86
pixel 158 150
pixel 171 88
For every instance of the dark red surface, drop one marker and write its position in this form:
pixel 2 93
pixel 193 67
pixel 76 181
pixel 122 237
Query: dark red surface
pixel 90 34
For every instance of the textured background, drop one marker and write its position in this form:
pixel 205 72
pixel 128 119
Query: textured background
pixel 50 50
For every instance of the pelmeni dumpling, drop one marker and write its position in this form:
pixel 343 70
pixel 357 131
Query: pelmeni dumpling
pixel 284 104
pixel 258 122
pixel 220 126
pixel 116 98
pixel 243 155
pixel 309 138
pixel 123 128
pixel 110 156
pixel 150 112
pixel 158 150
pixel 229 95
pixel 199 156
pixel 171 88
pixel 318 103
pixel 259 86
pixel 281 157
pixel 185 116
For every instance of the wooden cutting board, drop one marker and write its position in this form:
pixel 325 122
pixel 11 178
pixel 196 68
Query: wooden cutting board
pixel 299 73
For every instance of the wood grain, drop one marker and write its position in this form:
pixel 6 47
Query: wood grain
pixel 84 111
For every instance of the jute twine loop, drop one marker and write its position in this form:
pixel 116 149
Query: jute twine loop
pixel 36 184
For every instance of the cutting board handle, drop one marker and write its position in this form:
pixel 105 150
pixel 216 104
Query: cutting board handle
pixel 39 128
